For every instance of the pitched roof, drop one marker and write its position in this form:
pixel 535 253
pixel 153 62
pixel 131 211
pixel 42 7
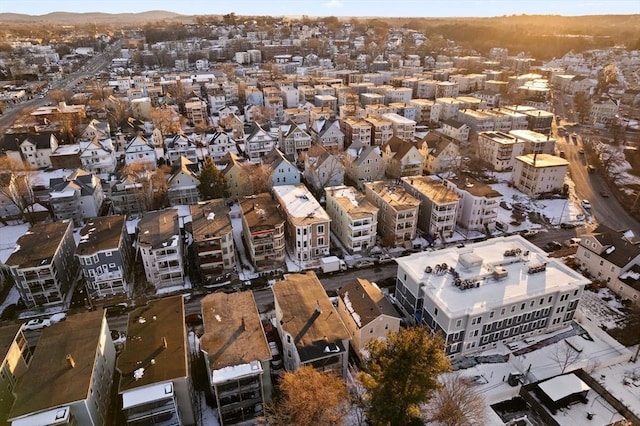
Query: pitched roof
pixel 38 246
pixel 366 300
pixel 624 251
pixel 101 233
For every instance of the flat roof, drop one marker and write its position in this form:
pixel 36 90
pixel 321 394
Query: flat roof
pixel 299 296
pixel 300 204
pixel 542 160
pixel 233 333
pixel 101 233
pixel 531 136
pixel 562 386
pixel 159 228
pixel 394 195
pixel 261 212
pixel 50 381
pixel 156 347
pixel 433 189
pixel 352 201
pixel 483 263
pixel 210 219
pixel 38 245
pixel 474 187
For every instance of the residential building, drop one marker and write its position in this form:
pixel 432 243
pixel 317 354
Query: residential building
pixel 354 220
pixel 381 130
pixel 401 158
pixel 212 238
pixel 65 157
pixel 499 149
pixel 78 196
pixel 127 195
pixel 69 378
pixel 478 205
pixel 364 165
pixel 42 266
pixel 328 134
pixel 402 127
pixel 98 156
pixel 307 223
pixel 34 149
pixel 536 174
pixel 155 373
pixel 603 111
pixel 105 257
pixel 499 290
pixel 441 153
pixel 15 357
pixel 96 129
pixel 236 355
pixel 356 131
pixel 293 139
pixel 281 170
pixel 16 194
pixel 534 142
pixel 366 313
pixel 259 142
pixel 182 185
pixel 178 146
pixel 455 130
pixel 311 330
pixel 219 144
pixel 438 205
pixel 263 228
pixel 140 150
pixel 397 214
pixel 323 169
pixel 196 112
pixel 160 246
pixel 611 257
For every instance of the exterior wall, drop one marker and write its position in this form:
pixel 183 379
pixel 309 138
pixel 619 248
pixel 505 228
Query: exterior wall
pixel 215 255
pixel 538 180
pixel 163 267
pixel 13 366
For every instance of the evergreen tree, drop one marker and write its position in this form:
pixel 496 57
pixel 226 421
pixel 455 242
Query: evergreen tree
pixel 212 182
pixel 402 373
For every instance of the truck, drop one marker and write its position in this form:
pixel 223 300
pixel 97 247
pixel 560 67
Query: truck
pixel 332 264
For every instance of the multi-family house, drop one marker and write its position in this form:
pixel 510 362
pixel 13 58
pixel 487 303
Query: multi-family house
pixel 401 158
pixel 15 357
pixel 307 223
pixel 258 142
pixel 478 205
pixel 263 227
pixel 354 220
pixel 366 313
pixel 402 127
pixel 311 331
pixel 42 266
pixel 363 164
pixel 219 143
pixel 603 111
pixel 441 153
pixel 78 196
pixel 611 257
pixel 397 214
pixel 182 185
pixel 356 131
pixel 455 130
pixel 212 238
pixel 197 113
pixel 237 356
pixel 323 169
pixel 16 194
pixel 438 205
pixel 160 245
pixel 98 156
pixel 155 375
pixel 381 130
pixel 70 375
pixel 140 150
pixel 33 150
pixel 178 146
pixel 461 293
pixel 536 174
pixel 127 195
pixel 281 170
pixel 293 139
pixel 328 134
pixel 499 149
pixel 105 256
pixel 534 142
pixel 65 157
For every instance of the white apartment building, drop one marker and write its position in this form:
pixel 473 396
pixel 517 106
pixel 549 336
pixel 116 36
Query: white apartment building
pixel 402 127
pixel 534 142
pixel 160 246
pixel 356 131
pixel 307 223
pixel 196 112
pixel 499 290
pixel 397 214
pixel 536 174
pixel 438 205
pixel 139 149
pixel 499 149
pixel 259 142
pixel 354 220
pixel 98 156
pixel 381 130
pixel 478 205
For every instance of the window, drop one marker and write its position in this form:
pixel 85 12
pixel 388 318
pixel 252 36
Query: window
pixel 320 229
pixel 458 323
pixel 108 253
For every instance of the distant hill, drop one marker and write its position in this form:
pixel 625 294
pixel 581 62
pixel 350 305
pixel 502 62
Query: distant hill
pixel 94 17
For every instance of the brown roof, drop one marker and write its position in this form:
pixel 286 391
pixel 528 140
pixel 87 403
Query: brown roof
pixel 233 333
pixel 101 233
pixel 367 301
pixel 261 212
pixel 39 245
pixel 394 195
pixel 298 296
pixel 475 187
pixel 435 190
pixel 148 329
pixel 50 381
pixel 210 219
pixel 156 228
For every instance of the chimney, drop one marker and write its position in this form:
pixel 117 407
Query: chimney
pixel 244 326
pixel 318 309
pixel 70 361
pixel 164 343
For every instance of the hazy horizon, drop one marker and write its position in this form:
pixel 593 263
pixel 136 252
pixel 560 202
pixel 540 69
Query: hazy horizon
pixel 345 8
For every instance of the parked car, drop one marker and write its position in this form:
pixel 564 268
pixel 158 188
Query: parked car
pixel 59 317
pixel 384 258
pixel 363 263
pixel 505 205
pixel 553 246
pixel 586 204
pixel 37 324
pixel 567 225
pixel 529 233
pixel 117 309
pixel 604 194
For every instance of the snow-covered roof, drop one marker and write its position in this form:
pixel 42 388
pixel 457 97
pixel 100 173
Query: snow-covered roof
pixel 235 372
pixel 562 386
pixel 146 394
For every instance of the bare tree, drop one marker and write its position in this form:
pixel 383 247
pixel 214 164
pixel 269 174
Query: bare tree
pixel 457 402
pixel 564 355
pixel 167 120
pixel 255 179
pixel 612 158
pixel 151 186
pixel 16 183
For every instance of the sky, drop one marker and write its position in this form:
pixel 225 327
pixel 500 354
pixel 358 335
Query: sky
pixel 352 8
